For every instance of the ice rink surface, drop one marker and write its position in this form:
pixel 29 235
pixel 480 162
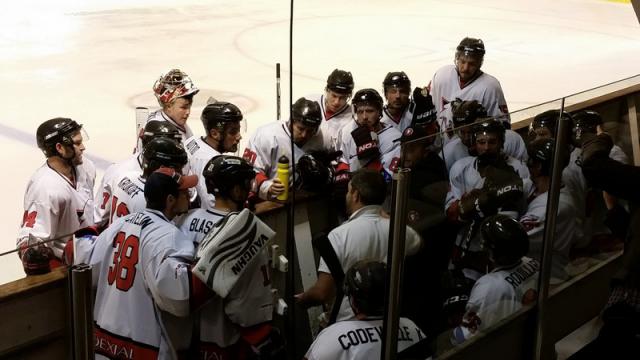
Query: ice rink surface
pixel 96 60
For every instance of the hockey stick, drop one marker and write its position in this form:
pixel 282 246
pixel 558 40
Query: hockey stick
pixel 41 242
pixel 142 115
pixel 278 91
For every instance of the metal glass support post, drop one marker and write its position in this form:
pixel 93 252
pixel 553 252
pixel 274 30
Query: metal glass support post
pixel 81 311
pixel 395 262
pixel 549 235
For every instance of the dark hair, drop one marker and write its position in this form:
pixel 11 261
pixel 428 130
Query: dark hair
pixel 157 188
pixel 370 185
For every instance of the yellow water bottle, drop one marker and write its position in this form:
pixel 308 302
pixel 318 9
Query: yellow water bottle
pixel 283 175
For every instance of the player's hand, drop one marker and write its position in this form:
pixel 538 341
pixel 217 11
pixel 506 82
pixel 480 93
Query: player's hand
pixel 276 188
pixel 35 260
pixel 300 298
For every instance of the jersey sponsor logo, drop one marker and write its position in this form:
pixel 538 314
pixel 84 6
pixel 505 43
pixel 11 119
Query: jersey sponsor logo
pixel 29 218
pixel 522 273
pixel 367 146
pixel 118 347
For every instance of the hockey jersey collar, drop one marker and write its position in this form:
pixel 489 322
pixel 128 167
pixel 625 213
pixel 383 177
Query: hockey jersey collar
pixel 366 210
pixel 324 113
pixel 158 214
pixel 169 119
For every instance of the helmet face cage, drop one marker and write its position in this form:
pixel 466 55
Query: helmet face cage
pixel 340 81
pixel 58 130
pixel 173 85
pixel 396 79
pixel 367 97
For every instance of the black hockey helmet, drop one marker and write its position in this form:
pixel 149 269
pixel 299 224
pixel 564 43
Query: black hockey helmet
pixel 364 284
pixel 54 131
pixel 223 172
pixel 340 81
pixel 541 151
pixel 158 128
pixel 505 238
pixel 397 79
pixel 307 112
pixel 312 174
pixel 584 122
pixel 470 47
pixel 367 97
pixel 162 151
pixel 489 126
pixel 217 114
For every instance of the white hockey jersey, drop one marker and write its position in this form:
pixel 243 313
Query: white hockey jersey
pixel 141 272
pixel 364 236
pixel 248 303
pixel 499 294
pixel 388 145
pixel 128 195
pixel 360 339
pixel 332 123
pixel 199 155
pixel 55 207
pixel 400 123
pixel 102 209
pixel 564 238
pixel 268 144
pixel 445 87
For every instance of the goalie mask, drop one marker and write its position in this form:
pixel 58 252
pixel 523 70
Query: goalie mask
pixel 172 85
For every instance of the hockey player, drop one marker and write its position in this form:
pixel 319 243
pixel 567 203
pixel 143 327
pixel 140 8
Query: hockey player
pixel 361 338
pixel 508 287
pixel 363 236
pixel 540 166
pixel 221 121
pixel 334 106
pixel 128 189
pixel 273 140
pixel 465 113
pixel 231 325
pixel 175 91
pixel 58 200
pixel 465 80
pixel 152 129
pixel 483 185
pixel 367 142
pixel 141 269
pixel 397 91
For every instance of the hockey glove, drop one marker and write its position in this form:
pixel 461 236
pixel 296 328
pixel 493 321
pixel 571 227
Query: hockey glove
pixel 477 204
pixel 424 111
pixel 35 260
pixel 366 143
